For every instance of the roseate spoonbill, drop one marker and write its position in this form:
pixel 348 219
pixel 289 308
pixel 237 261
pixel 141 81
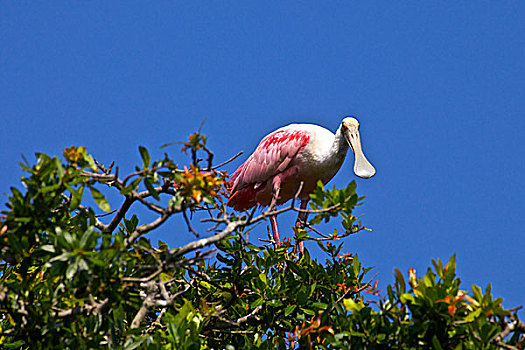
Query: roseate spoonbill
pixel 290 155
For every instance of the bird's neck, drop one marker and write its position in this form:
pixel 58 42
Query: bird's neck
pixel 340 146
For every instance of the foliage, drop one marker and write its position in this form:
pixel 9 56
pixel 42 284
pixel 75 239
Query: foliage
pixel 69 280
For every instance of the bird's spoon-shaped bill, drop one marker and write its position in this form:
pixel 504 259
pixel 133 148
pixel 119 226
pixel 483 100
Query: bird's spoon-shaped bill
pixel 362 166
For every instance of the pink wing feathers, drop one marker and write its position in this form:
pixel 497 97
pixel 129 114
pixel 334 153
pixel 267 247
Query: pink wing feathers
pixel 274 155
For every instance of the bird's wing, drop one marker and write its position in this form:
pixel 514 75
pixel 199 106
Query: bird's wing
pixel 273 155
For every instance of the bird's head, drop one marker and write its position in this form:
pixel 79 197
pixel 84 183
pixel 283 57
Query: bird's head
pixel 350 129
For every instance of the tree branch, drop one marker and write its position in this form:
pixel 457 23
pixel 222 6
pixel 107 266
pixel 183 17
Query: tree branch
pixel 146 305
pixel 207 241
pixel 95 308
pixel 120 214
pixel 142 229
pixel 225 162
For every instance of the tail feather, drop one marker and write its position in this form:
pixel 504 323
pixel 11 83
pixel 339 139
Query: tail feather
pixel 243 199
pixel 233 182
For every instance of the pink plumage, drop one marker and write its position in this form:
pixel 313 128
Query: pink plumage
pixel 252 183
pixel 295 155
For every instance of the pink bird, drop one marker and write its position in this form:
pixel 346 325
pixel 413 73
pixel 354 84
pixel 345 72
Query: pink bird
pixel 290 155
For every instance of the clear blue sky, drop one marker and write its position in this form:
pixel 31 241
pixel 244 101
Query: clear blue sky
pixel 438 89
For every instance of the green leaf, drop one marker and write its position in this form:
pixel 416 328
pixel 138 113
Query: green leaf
pixel 295 268
pixel 162 245
pixel 275 303
pixel 165 277
pixel 58 166
pixel 428 279
pixel 257 302
pixel 64 238
pixel 76 196
pixel 132 186
pixel 145 157
pixel 353 306
pixel 16 345
pixel 151 189
pixel 131 224
pixel 487 297
pixel 289 309
pixel 49 188
pixel 263 278
pixel 435 343
pixel 473 315
pixel 72 270
pixel 321 306
pixel 86 237
pixel 133 343
pixel 407 298
pixel 176 201
pixel 400 279
pixel 99 198
pixel 357 265
pixel 451 268
pixel 438 266
pixel 48 248
pixel 91 162
pixel 352 186
pixel 62 257
pixel 308 312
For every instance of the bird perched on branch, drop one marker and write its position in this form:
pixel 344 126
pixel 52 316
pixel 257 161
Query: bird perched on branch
pixel 290 157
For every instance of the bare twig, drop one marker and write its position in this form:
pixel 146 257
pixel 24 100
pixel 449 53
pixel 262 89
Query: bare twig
pixel 271 241
pixel 143 279
pixel 110 167
pixel 157 323
pixel 315 230
pixel 351 291
pixel 192 261
pixel 142 172
pixel 225 162
pixel 120 214
pixel 150 205
pixel 207 241
pixel 515 325
pixel 165 188
pixel 188 223
pixel 243 319
pixel 98 223
pixel 106 214
pixel 101 167
pixel 94 307
pixel 208 279
pixel 148 303
pixel 332 237
pixel 104 178
pixel 142 229
pixel 155 289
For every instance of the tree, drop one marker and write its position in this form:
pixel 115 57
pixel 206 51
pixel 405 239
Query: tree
pixel 74 277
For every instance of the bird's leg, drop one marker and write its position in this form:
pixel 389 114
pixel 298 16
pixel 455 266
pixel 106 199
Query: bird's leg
pixel 301 221
pixel 273 206
pixel 275 231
